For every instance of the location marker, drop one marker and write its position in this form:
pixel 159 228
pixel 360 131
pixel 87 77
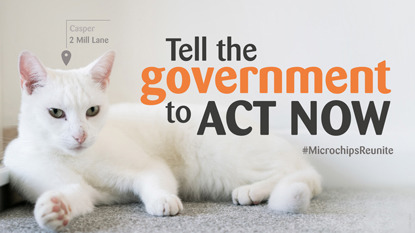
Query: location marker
pixel 66 56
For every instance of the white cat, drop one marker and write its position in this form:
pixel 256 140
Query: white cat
pixel 74 151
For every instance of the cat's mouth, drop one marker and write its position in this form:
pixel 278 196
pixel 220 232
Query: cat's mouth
pixel 75 150
pixel 79 148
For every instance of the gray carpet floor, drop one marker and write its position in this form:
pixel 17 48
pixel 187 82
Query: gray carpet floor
pixel 335 210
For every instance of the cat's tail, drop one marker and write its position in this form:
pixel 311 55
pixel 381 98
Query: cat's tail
pixel 293 192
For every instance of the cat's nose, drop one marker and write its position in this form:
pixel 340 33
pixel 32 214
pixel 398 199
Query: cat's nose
pixel 81 138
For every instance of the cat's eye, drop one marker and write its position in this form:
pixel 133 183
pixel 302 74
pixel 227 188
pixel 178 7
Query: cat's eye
pixel 92 111
pixel 56 113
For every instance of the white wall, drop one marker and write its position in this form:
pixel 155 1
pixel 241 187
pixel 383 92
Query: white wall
pixel 1 79
pixel 295 33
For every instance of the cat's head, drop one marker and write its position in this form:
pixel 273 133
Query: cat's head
pixel 63 109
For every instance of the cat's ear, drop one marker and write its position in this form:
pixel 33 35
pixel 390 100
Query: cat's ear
pixel 32 72
pixel 101 68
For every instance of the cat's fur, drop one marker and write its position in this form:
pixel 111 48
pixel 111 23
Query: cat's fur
pixel 130 152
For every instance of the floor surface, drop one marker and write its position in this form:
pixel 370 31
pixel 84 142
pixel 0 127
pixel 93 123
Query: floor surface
pixel 335 210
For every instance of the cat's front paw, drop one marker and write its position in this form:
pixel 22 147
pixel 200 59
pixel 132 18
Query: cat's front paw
pixel 292 198
pixel 248 195
pixel 52 211
pixel 167 205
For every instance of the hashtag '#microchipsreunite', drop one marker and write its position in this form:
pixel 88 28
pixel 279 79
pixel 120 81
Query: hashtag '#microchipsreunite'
pixel 346 150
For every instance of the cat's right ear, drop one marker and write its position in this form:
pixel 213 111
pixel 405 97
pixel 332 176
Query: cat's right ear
pixel 32 72
pixel 101 68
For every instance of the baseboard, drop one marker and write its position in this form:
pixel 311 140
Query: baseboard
pixel 8 197
pixel 4 187
pixel 4 175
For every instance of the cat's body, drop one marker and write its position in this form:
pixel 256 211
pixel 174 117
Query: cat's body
pixel 71 163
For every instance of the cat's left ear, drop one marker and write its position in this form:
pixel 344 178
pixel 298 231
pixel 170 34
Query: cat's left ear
pixel 100 69
pixel 32 72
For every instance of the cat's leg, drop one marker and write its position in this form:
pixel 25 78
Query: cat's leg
pixel 255 193
pixel 294 192
pixel 55 208
pixel 285 192
pixel 157 188
pixel 58 193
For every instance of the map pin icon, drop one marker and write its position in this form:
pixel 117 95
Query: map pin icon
pixel 66 56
